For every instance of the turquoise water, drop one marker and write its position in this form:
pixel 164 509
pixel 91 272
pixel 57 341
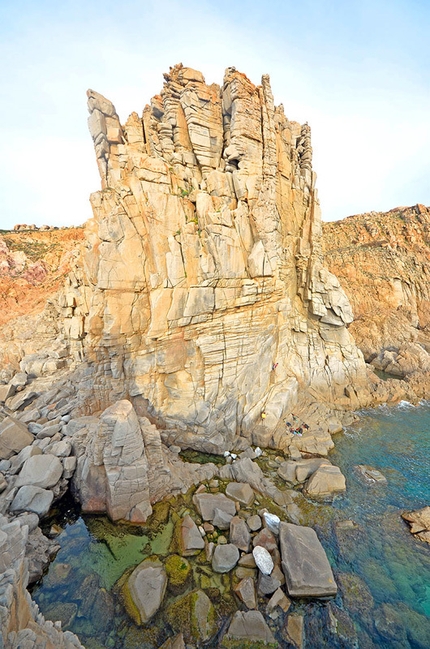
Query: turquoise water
pixel 381 551
pixel 382 571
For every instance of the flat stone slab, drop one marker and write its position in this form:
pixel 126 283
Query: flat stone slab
pixel 207 504
pixel 304 562
pixel 240 491
pixel 249 627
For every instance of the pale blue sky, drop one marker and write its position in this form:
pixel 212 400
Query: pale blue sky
pixel 357 71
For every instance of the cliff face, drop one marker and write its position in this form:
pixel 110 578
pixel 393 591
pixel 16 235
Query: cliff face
pixel 383 262
pixel 201 286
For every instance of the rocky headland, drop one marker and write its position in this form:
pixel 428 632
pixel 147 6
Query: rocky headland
pixel 383 262
pixel 196 313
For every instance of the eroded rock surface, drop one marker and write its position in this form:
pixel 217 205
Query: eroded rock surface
pixel 206 234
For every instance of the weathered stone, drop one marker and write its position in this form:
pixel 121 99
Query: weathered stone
pixel 267 584
pixel 14 436
pixel 240 491
pixel 194 616
pixel 239 534
pixel 254 523
pixel 145 587
pixel 225 557
pixel 294 628
pixel 245 589
pixel 305 564
pixel 325 483
pixel 207 504
pixel 278 602
pixel 272 522
pixel 191 540
pixel 174 643
pixel 32 499
pixel 40 471
pixel 221 519
pixel 248 627
pixel 419 521
pixel 263 560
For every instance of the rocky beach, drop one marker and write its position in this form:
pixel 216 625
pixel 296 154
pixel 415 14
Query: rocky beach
pixel 174 377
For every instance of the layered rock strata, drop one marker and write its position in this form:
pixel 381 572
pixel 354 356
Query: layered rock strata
pixel 201 287
pixel 383 261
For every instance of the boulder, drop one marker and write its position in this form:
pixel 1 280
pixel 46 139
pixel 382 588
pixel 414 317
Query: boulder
pixel 325 483
pixel 225 557
pixel 40 471
pixel 245 590
pixel 248 627
pixel 14 436
pixel 193 615
pixel 144 590
pixel 207 504
pixel 239 534
pixel 419 521
pixel 304 562
pixel 191 541
pixel 221 519
pixel 32 499
pixel 240 491
pixel 254 523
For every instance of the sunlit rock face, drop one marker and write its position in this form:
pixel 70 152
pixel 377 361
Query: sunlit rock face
pixel 201 288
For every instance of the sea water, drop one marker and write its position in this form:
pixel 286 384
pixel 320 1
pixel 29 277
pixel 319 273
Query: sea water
pixel 382 570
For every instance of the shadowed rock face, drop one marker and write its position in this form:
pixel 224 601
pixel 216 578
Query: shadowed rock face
pixel 201 286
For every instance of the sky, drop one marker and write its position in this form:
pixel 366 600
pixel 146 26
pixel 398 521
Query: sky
pixel 356 70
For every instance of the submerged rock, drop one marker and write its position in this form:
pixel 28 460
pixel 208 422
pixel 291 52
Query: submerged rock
pixel 370 474
pixel 247 628
pixel 144 590
pixel 193 615
pixel 178 570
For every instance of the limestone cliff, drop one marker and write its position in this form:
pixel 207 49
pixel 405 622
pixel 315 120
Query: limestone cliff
pixel 383 262
pixel 201 287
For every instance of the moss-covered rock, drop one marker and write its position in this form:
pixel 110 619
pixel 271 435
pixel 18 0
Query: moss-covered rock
pixel 194 615
pixel 178 570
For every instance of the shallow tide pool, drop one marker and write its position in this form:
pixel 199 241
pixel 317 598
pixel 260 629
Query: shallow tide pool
pixel 383 572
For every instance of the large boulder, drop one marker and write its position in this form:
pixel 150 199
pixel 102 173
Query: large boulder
pixel 325 483
pixel 32 499
pixel 144 590
pixel 14 436
pixel 304 562
pixel 207 504
pixel 419 521
pixel 40 471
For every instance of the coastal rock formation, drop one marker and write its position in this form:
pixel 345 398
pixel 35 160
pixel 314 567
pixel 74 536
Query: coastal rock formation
pixel 201 287
pixel 21 624
pixel 383 263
